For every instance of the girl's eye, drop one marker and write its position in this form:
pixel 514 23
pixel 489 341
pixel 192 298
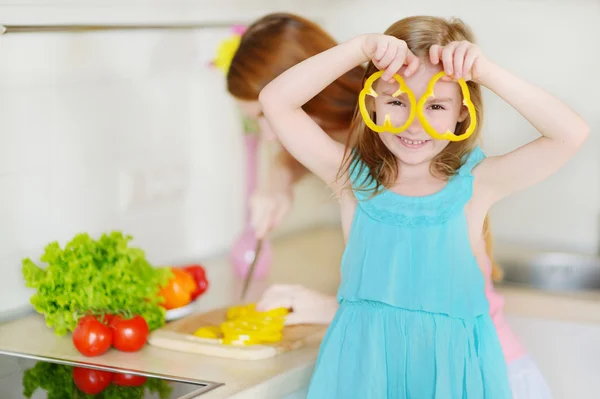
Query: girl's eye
pixel 437 107
pixel 396 103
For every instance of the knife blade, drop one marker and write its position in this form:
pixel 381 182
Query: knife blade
pixel 250 273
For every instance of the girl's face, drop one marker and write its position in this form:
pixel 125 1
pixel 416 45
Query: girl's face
pixel 443 111
pixel 253 110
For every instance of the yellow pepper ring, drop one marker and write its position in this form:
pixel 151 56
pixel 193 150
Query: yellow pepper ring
pixel 237 341
pixel 240 311
pixel 229 327
pixel 277 312
pixel 387 124
pixel 448 135
pixel 247 326
pixel 208 332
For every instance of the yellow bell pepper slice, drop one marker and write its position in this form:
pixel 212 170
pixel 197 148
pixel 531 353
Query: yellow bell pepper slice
pixel 254 337
pixel 248 312
pixel 416 107
pixel 237 340
pixel 448 135
pixel 247 326
pixel 387 124
pixel 276 313
pixel 236 312
pixel 209 332
pixel 229 328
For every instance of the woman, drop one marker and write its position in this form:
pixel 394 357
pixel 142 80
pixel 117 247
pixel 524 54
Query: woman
pixel 268 47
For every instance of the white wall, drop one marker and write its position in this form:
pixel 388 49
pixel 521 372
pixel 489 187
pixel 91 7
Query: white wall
pixel 79 113
pixel 554 44
pixel 86 117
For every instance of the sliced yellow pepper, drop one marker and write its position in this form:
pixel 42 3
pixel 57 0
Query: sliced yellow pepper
pixel 448 135
pixel 209 332
pixel 236 340
pixel 276 313
pixel 259 337
pixel 415 107
pixel 247 326
pixel 387 124
pixel 249 312
pixel 233 327
pixel 236 312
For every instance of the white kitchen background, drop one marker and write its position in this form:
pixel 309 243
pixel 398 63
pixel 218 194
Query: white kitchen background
pixel 133 131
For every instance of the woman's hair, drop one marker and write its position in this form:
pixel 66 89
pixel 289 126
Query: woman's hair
pixel 419 33
pixel 276 43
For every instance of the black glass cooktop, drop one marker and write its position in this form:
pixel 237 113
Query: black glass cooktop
pixel 25 376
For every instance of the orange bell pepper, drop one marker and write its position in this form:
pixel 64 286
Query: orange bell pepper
pixel 178 291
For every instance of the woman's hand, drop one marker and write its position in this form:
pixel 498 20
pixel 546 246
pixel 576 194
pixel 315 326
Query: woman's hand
pixel 308 306
pixel 268 207
pixel 272 201
pixel 389 54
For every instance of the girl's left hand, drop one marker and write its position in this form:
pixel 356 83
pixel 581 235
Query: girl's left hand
pixel 460 60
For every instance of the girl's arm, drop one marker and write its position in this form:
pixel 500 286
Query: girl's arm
pixel 563 131
pixel 283 98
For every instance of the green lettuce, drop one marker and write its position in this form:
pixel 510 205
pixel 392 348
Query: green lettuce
pixel 104 275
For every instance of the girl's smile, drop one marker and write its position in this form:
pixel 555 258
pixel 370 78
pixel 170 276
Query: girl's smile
pixel 413 144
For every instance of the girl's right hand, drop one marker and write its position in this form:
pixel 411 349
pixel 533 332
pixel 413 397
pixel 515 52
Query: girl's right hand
pixel 389 54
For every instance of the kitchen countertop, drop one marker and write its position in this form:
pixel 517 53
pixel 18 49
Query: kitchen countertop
pixel 310 258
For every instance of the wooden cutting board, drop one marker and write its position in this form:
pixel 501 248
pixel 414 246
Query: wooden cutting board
pixel 178 336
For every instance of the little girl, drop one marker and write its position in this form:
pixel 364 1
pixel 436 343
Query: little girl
pixel 413 320
pixel 312 307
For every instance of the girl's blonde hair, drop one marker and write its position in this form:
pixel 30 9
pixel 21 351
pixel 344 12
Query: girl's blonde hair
pixel 364 148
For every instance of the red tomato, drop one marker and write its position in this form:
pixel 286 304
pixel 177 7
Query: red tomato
pixel 199 275
pixel 129 335
pixel 128 380
pixel 91 337
pixel 106 318
pixel 91 381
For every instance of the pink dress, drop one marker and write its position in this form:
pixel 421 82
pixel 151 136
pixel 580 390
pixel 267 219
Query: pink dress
pixel 526 379
pixel 511 346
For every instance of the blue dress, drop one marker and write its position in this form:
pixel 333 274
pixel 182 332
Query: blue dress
pixel 413 321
